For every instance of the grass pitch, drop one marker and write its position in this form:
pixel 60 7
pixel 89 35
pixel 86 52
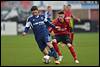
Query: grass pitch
pixel 23 51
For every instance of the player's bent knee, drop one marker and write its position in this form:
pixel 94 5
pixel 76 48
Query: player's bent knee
pixel 54 40
pixel 49 45
pixel 69 45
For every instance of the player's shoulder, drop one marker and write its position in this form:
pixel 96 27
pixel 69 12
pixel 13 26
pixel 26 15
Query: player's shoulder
pixel 29 17
pixel 41 15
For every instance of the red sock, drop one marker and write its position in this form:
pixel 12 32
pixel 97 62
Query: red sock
pixel 73 52
pixel 55 45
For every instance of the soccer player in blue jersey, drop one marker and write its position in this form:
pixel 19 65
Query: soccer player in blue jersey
pixel 38 25
pixel 49 13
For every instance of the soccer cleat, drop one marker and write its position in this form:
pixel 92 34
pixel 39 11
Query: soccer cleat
pixel 76 61
pixel 57 62
pixel 60 58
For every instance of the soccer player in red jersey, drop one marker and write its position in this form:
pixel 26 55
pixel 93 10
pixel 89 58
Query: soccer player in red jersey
pixel 62 35
pixel 70 18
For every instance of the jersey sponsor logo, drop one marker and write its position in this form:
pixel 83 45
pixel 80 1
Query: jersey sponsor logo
pixel 39 23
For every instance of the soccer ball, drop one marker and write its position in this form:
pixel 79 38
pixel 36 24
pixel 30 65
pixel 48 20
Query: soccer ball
pixel 46 59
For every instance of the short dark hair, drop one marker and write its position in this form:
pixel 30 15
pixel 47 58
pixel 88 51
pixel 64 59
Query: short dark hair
pixel 48 6
pixel 34 8
pixel 69 5
pixel 60 12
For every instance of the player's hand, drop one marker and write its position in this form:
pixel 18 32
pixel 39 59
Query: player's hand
pixel 58 28
pixel 63 29
pixel 78 19
pixel 24 33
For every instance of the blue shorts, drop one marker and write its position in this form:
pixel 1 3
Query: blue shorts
pixel 42 41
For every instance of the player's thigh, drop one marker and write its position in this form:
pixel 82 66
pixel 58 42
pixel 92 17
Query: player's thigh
pixel 58 38
pixel 66 39
pixel 41 44
pixel 47 40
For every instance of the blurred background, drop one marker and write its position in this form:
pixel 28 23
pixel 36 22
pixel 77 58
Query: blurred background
pixel 17 50
pixel 16 13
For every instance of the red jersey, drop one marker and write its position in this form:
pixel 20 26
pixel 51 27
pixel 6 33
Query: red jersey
pixel 68 15
pixel 64 26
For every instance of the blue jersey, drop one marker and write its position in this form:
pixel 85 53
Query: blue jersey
pixel 49 15
pixel 38 24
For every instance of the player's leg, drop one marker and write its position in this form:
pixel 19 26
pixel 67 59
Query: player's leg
pixel 71 48
pixel 42 46
pixel 55 42
pixel 52 51
pixel 55 45
pixel 71 35
pixel 45 51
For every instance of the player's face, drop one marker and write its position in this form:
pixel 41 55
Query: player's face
pixel 69 7
pixel 64 7
pixel 49 8
pixel 35 12
pixel 61 17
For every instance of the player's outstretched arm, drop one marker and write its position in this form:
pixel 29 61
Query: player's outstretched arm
pixel 76 19
pixel 49 24
pixel 26 29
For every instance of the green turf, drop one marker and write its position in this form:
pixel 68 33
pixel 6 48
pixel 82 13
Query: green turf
pixel 23 51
